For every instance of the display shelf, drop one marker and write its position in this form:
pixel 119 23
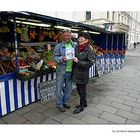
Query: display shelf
pixel 34 74
pixel 37 43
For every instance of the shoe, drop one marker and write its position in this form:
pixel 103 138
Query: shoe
pixel 85 105
pixel 67 106
pixel 62 109
pixel 78 110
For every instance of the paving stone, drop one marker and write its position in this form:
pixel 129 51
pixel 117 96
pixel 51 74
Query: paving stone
pixel 106 108
pixel 70 111
pixel 89 109
pixel 127 97
pixel 105 101
pixel 38 105
pixel 14 118
pixel 92 105
pixel 74 102
pixel 113 118
pixel 135 95
pixel 122 92
pixel 34 117
pixel 41 108
pixel 50 112
pixel 135 110
pixel 49 104
pixel 1 121
pixel 95 112
pixel 131 122
pixel 59 116
pixel 27 122
pixel 138 101
pixel 121 106
pixel 89 119
pixel 72 120
pixel 78 116
pixel 128 115
pixel 115 99
pixel 111 122
pixel 136 87
pixel 34 105
pixel 23 110
pixel 114 94
pixel 131 103
pixel 49 121
pixel 131 91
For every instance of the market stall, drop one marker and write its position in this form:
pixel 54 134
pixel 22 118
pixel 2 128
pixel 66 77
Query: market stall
pixel 27 41
pixel 25 57
pixel 111 50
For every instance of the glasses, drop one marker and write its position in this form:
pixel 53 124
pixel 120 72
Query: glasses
pixel 81 38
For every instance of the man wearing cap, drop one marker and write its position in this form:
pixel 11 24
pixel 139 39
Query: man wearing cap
pixel 63 71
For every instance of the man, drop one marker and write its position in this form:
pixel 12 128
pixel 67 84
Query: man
pixel 134 45
pixel 63 71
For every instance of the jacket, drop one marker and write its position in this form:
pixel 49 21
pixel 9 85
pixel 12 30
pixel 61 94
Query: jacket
pixel 59 52
pixel 80 72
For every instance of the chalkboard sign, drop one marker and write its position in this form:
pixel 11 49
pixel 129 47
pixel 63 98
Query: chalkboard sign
pixel 47 90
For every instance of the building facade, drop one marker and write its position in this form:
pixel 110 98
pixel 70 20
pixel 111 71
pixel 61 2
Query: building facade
pixel 118 21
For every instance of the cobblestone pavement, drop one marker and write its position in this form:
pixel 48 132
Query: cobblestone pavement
pixel 113 98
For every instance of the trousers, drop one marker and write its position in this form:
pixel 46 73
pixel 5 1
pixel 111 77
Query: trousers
pixel 63 88
pixel 81 89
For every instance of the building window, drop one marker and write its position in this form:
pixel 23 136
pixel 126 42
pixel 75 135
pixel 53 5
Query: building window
pixel 107 15
pixel 126 20
pixel 88 15
pixel 119 18
pixel 122 19
pixel 113 16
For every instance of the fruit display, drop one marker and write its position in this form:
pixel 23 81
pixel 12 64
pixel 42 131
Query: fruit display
pixel 26 75
pixel 6 66
pixel 97 50
pixel 36 61
pixel 34 54
pixel 6 55
pixel 34 34
pixel 4 29
pixel 29 58
pixel 121 52
pixel 21 63
pixel 24 34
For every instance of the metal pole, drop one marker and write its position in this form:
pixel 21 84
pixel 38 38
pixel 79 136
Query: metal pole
pixel 117 41
pixel 112 42
pixel 106 42
pixel 123 37
pixel 15 41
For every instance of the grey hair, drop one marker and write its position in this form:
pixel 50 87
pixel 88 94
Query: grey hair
pixel 66 30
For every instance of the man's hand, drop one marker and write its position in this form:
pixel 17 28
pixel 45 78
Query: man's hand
pixel 64 59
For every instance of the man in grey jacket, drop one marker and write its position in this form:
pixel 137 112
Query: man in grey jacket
pixel 63 71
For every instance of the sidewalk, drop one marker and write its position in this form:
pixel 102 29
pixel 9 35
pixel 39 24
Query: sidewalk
pixel 113 98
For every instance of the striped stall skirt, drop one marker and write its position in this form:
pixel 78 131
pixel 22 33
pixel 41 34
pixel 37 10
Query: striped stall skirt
pixel 15 94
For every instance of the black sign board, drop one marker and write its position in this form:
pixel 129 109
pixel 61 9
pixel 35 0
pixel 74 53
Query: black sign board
pixel 47 90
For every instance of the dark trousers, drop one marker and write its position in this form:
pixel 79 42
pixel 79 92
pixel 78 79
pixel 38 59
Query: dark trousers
pixel 81 89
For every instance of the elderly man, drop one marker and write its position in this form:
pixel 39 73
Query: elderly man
pixel 64 70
